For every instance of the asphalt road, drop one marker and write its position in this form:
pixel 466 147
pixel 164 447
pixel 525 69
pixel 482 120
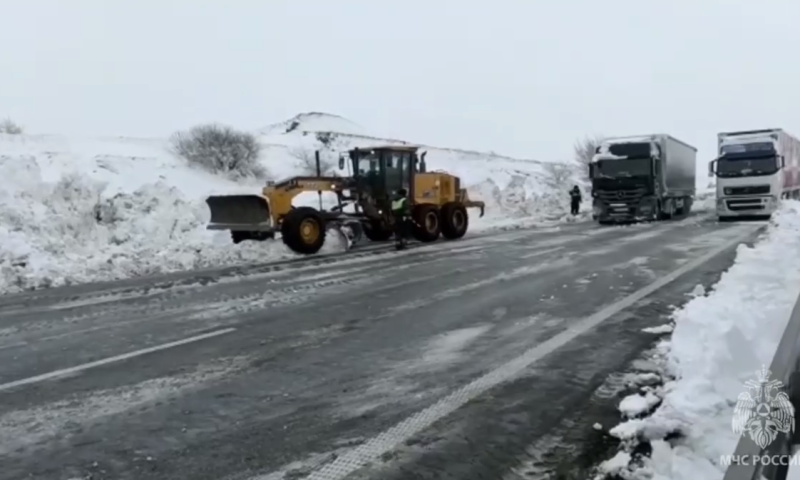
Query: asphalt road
pixel 481 358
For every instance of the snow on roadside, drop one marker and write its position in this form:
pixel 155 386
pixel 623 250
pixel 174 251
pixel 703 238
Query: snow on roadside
pixel 719 341
pixel 705 200
pixel 69 232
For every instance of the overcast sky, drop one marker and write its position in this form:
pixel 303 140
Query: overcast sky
pixel 518 77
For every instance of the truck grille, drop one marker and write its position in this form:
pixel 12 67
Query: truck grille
pixel 753 190
pixel 620 196
pixel 744 204
pixel 620 204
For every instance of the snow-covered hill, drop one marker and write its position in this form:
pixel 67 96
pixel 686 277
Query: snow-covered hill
pixel 82 209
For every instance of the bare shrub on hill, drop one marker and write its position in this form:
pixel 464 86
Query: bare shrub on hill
pixel 560 175
pixel 584 149
pixel 10 127
pixel 220 149
pixel 307 162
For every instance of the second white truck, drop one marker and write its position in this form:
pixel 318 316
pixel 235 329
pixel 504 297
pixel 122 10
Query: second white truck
pixel 755 169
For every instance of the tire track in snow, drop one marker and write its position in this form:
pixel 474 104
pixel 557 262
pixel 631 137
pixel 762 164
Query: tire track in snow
pixel 198 304
pixel 133 287
pixel 23 430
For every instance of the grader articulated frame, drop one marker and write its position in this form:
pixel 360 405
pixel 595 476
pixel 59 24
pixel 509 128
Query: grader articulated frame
pixel 438 203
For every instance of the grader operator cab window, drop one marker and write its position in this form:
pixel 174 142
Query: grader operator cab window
pixel 382 171
pixel 368 163
pixel 398 170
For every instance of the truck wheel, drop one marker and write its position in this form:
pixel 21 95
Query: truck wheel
pixel 303 230
pixel 658 214
pixel 679 210
pixel 454 220
pixel 427 225
pixel 667 210
pixel 376 231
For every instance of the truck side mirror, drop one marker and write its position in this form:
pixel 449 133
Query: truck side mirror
pixel 712 168
pixel 783 161
pixel 422 165
pixel 341 162
pixel 591 170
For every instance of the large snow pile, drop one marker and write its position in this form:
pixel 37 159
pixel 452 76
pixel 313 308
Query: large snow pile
pixel 720 340
pixel 83 209
pixel 314 122
pixel 71 230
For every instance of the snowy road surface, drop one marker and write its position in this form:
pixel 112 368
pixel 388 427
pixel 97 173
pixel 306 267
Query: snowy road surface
pixel 487 358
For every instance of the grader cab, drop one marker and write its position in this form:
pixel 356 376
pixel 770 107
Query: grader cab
pixel 439 204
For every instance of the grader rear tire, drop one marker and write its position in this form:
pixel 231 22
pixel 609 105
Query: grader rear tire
pixel 455 221
pixel 303 230
pixel 427 223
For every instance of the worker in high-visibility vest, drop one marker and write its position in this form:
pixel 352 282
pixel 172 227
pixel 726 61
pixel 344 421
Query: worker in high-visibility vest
pixel 402 213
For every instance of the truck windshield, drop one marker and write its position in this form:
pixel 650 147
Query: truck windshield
pixel 621 168
pixel 746 167
pixel 630 150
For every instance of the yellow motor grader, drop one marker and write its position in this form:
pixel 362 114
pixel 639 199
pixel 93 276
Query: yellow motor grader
pixel 438 203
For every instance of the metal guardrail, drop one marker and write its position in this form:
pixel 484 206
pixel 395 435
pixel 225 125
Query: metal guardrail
pixel 785 367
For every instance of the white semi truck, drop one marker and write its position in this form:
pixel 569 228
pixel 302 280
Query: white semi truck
pixel 755 169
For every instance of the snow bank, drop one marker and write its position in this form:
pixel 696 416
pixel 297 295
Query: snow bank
pixel 719 341
pixel 55 233
pixel 84 209
pixel 705 200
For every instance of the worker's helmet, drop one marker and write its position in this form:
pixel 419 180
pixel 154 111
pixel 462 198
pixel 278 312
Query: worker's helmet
pixel 402 192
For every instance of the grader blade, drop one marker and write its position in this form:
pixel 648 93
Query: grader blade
pixel 469 203
pixel 239 213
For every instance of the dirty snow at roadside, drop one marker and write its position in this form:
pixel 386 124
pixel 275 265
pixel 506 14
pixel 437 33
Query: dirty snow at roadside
pixel 68 231
pixel 719 341
pixel 78 209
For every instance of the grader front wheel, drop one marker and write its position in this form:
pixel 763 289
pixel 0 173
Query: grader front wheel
pixel 303 230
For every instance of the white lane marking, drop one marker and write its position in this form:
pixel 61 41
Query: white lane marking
pixel 105 361
pixel 14 345
pixel 367 452
pixel 539 253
